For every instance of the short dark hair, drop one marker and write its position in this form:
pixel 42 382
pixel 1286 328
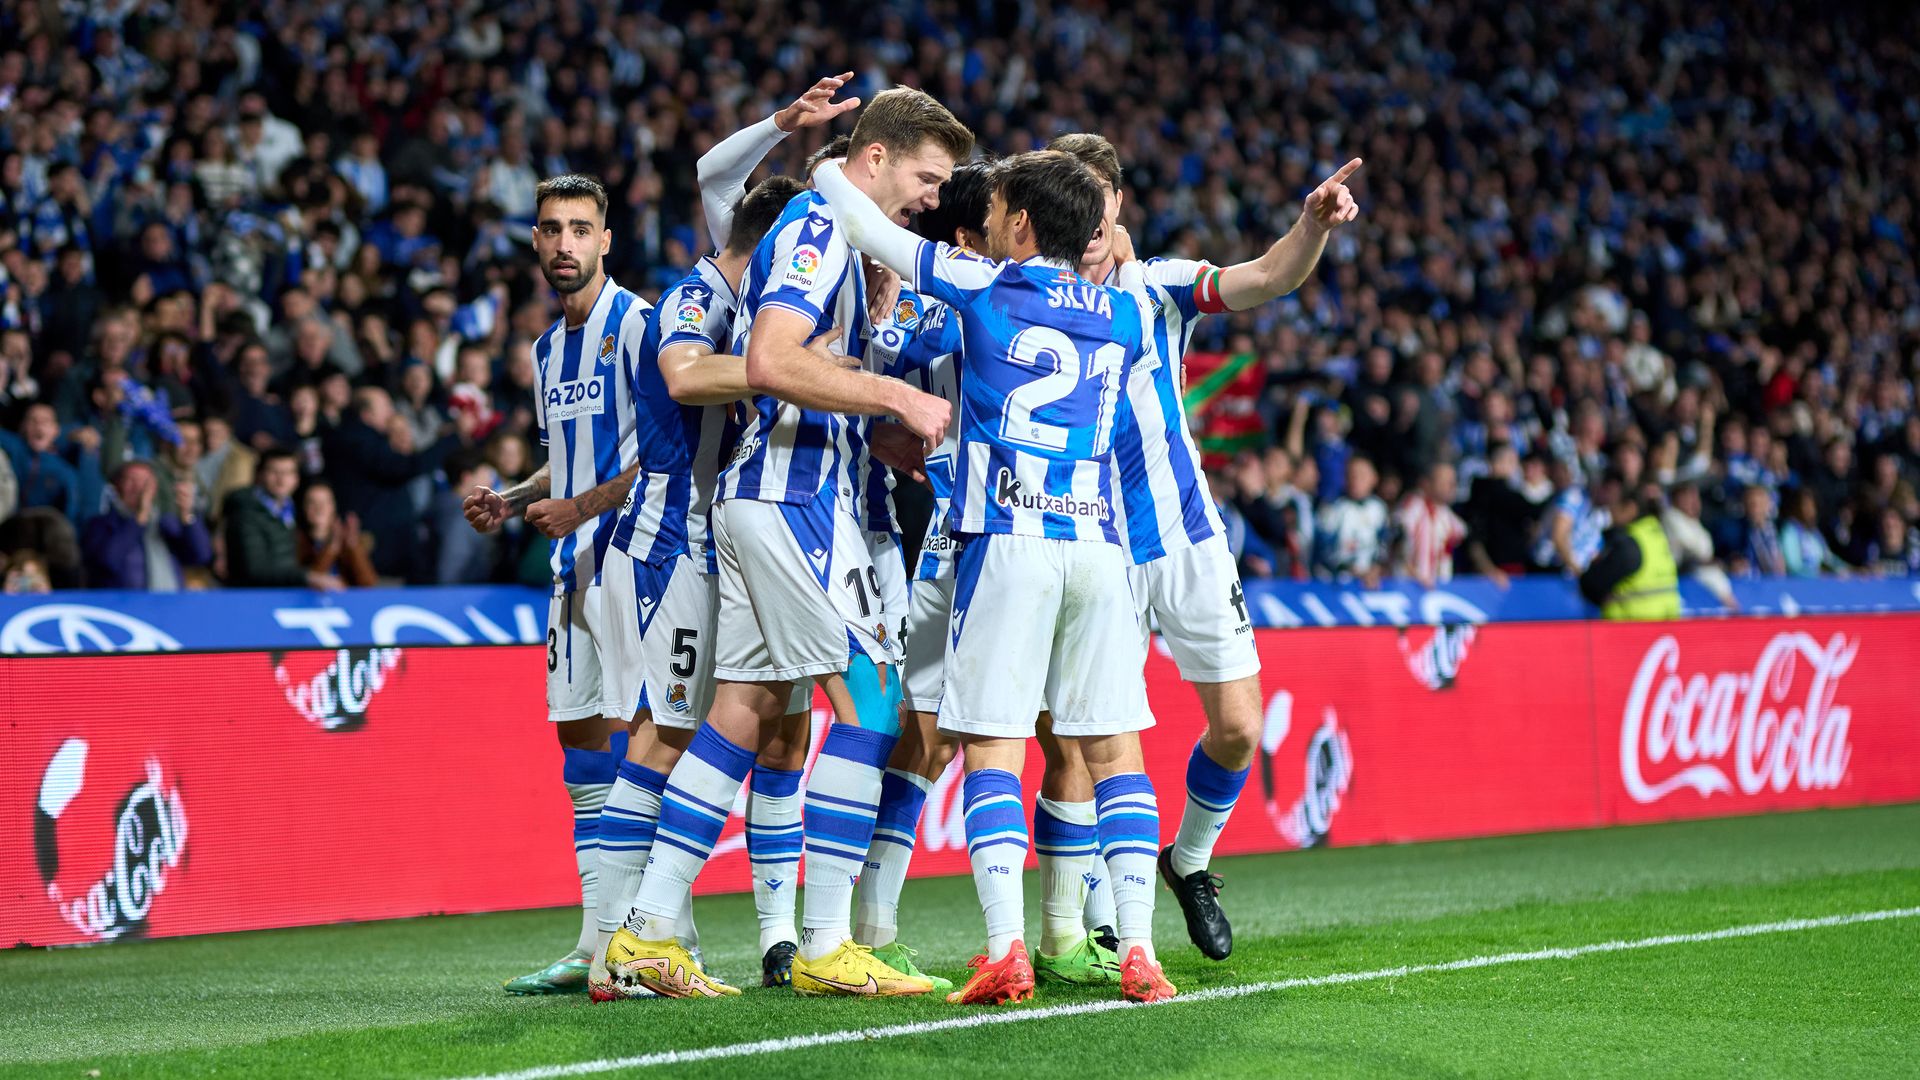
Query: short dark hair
pixel 903 120
pixel 1062 197
pixel 571 186
pixel 758 209
pixel 1095 152
pixel 271 455
pixel 463 461
pixel 963 204
pixel 836 147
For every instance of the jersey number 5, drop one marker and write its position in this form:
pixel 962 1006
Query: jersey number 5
pixel 1046 347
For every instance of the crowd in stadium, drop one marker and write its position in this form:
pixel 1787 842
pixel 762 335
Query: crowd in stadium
pixel 267 297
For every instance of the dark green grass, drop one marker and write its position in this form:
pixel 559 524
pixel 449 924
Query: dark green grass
pixel 422 997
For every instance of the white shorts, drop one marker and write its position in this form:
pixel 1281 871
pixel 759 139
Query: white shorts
pixel 661 619
pixel 1038 625
pixel 1194 595
pixel 798 592
pixel 890 572
pixel 578 657
pixel 926 659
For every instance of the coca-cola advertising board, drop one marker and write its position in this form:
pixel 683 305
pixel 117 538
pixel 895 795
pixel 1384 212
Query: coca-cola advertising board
pixel 194 793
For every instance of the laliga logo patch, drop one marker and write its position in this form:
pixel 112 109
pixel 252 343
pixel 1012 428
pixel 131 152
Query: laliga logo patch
pixel 1436 664
pixel 677 697
pixel 691 316
pixel 804 265
pixel 149 835
pixel 336 697
pixel 606 349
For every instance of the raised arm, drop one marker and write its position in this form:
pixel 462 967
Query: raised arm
pixel 723 170
pixel 1292 258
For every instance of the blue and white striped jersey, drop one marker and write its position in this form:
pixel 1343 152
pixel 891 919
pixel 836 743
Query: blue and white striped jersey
pixel 1046 353
pixel 681 447
pixel 927 358
pixel 1163 492
pixel 1590 522
pixel 584 407
pixel 785 453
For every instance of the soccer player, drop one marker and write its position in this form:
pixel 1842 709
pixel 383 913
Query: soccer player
pixel 681 381
pixel 797 592
pixel 587 424
pixel 1042 614
pixel 1064 826
pixel 1184 574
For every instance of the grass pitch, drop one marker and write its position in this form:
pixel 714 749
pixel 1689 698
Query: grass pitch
pixel 422 997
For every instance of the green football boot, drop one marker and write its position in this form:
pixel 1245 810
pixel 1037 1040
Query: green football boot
pixel 1086 964
pixel 567 975
pixel 900 958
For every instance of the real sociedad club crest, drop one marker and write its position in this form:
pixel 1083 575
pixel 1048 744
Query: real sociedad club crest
pixel 677 697
pixel 906 312
pixel 606 349
pixel 107 834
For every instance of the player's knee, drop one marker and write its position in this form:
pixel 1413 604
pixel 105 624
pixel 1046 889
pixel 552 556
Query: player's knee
pixel 939 754
pixel 588 734
pixel 876 694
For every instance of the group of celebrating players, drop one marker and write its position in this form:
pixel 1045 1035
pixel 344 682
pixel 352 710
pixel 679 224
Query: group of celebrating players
pixel 718 491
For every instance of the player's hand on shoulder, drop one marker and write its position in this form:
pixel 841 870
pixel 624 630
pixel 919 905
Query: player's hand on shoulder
pixel 821 345
pixel 883 291
pixel 816 106
pixel 486 509
pixel 1331 203
pixel 1122 246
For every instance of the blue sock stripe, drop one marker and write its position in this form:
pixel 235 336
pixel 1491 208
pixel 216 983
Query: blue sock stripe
pixel 587 766
pixel 669 841
pixel 642 777
pixel 1124 784
pixel 679 795
pixel 905 841
pixel 996 841
pixel 1149 852
pixel 692 825
pixel 713 748
pixel 834 825
pixel 1050 831
pixel 901 801
pixel 625 813
pixel 618 743
pixel 849 804
pixel 982 781
pixel 775 783
pixel 858 745
pixel 1210 784
pixel 755 829
pixel 837 851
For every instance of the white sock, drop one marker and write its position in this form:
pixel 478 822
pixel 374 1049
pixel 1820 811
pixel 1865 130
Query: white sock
pixel 708 775
pixel 587 801
pixel 997 849
pixel 1129 841
pixel 842 801
pixel 1065 841
pixel 903 795
pixel 684 931
pixel 774 845
pixel 627 825
pixel 1212 789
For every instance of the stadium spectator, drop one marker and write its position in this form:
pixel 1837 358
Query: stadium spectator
pixel 44 476
pixel 326 545
pixel 259 524
pixel 134 544
pixel 462 556
pixel 373 478
pixel 1803 549
pixel 1692 545
pixel 1352 531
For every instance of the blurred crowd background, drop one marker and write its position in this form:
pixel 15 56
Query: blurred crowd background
pixel 266 291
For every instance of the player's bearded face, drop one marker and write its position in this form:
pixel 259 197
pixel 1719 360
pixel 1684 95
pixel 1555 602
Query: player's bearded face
pixel 569 242
pixel 999 236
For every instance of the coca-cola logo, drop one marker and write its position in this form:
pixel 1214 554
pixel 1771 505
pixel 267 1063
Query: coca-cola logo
pixel 149 836
pixel 1435 664
pixel 1772 728
pixel 1306 821
pixel 335 698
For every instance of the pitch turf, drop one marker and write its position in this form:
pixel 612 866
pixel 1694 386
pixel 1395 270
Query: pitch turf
pixel 422 997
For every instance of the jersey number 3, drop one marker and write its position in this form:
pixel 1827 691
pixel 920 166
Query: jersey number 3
pixel 1046 347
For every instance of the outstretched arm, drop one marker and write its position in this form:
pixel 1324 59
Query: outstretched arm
pixel 723 170
pixel 1292 258
pixel 867 228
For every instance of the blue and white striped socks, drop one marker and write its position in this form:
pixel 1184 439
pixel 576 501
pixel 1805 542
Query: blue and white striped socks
pixel 902 796
pixel 693 811
pixel 842 803
pixel 1068 847
pixel 1130 843
pixel 997 848
pixel 588 775
pixel 774 843
pixel 627 824
pixel 1211 792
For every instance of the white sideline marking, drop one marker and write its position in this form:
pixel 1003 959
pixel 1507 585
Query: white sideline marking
pixel 1221 993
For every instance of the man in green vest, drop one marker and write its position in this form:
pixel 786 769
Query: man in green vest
pixel 1634 577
